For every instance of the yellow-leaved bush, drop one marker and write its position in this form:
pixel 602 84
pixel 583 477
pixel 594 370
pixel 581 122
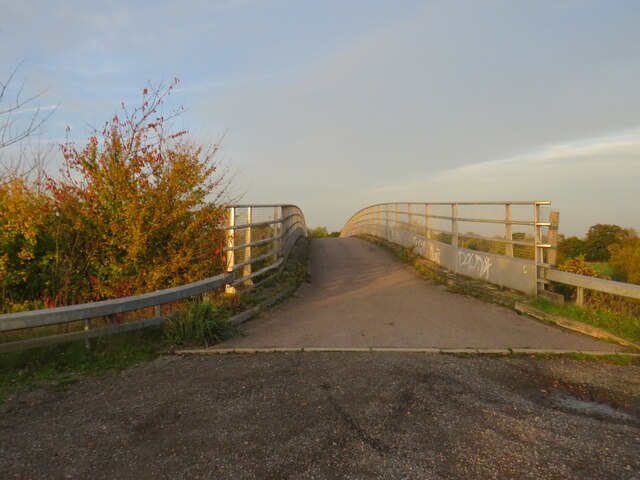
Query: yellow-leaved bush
pixel 135 209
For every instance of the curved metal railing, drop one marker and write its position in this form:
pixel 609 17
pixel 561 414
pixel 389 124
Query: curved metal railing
pixel 506 243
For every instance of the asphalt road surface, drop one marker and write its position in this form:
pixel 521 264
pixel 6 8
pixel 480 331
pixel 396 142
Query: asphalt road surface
pixel 360 296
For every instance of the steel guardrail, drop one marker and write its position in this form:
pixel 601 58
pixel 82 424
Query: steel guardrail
pixel 287 223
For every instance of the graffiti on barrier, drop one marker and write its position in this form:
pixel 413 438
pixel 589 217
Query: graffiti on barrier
pixel 434 254
pixel 418 243
pixel 474 264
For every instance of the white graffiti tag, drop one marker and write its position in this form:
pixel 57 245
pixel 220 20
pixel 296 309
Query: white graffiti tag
pixel 475 265
pixel 417 245
pixel 434 254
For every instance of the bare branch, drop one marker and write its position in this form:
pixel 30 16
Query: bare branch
pixel 20 118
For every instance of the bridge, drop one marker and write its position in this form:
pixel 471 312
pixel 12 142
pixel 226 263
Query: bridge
pixel 358 297
pixel 331 413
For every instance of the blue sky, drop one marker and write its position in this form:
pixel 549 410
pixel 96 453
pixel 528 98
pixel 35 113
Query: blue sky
pixel 335 105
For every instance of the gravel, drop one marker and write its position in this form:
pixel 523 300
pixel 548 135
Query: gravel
pixel 332 415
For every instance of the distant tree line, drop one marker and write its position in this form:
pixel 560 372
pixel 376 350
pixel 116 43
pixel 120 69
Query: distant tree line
pixel 322 232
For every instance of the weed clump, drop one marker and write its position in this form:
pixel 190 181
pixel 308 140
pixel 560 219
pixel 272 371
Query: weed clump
pixel 201 323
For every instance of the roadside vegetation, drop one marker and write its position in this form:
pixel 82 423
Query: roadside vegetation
pixel 623 325
pixel 200 323
pixel 609 252
pixel 134 209
pixel 55 367
pixel 195 323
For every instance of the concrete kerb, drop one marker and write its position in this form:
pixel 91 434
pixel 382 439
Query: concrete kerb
pixel 433 351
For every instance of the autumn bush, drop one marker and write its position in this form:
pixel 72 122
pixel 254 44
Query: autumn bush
pixel 596 301
pixel 26 244
pixel 625 259
pixel 135 209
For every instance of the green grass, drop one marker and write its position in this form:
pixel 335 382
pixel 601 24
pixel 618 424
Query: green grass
pixel 625 327
pixel 615 359
pixel 603 268
pixel 56 367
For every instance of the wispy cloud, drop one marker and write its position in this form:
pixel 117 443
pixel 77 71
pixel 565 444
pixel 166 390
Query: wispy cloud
pixel 23 111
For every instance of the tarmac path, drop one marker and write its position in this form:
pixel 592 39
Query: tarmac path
pixel 359 296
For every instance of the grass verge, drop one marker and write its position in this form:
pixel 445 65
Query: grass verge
pixel 620 325
pixel 55 367
pixel 619 359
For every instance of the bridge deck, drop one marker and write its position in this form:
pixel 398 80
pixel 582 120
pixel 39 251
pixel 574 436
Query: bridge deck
pixel 359 296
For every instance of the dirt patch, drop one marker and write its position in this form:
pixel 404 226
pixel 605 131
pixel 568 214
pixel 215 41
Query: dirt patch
pixel 584 390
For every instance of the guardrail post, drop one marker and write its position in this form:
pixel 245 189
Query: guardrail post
pixel 230 244
pixel 87 340
pixel 427 221
pixel 157 312
pixel 246 271
pixel 580 296
pixel 508 230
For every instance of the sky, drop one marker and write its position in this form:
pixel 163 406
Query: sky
pixel 336 105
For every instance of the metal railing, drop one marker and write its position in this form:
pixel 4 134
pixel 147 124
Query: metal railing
pixel 509 258
pixel 257 235
pixel 584 282
pixel 506 243
pixel 259 239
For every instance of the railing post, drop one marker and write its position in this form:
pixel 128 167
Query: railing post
pixel 427 221
pixel 276 233
pixel 246 271
pixel 508 230
pixel 395 220
pixel 554 220
pixel 537 251
pixel 454 225
pixel 285 229
pixel 386 221
pixel 409 217
pixel 230 244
